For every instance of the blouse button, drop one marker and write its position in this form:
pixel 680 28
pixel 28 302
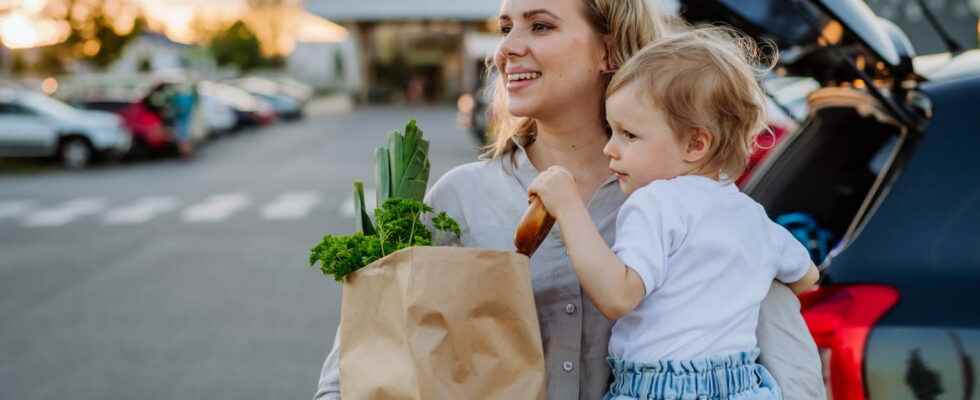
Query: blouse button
pixel 570 308
pixel 567 366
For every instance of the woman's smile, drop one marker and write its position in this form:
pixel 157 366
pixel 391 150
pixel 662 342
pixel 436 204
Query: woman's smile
pixel 517 81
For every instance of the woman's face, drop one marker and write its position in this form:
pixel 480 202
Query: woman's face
pixel 550 58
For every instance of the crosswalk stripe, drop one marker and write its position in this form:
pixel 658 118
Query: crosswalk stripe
pixel 347 207
pixel 141 211
pixel 215 208
pixel 294 205
pixel 65 213
pixel 14 209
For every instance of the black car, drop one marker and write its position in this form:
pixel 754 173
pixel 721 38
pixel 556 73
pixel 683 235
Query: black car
pixel 882 183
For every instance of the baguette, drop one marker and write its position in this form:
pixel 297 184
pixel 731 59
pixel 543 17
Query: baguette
pixel 533 228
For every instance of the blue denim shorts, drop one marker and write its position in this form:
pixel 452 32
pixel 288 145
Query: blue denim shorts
pixel 730 377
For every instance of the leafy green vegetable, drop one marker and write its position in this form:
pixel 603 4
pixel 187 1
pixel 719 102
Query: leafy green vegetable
pixel 363 221
pixel 341 255
pixel 382 175
pixel 445 223
pixel 403 166
pixel 399 225
pixel 402 173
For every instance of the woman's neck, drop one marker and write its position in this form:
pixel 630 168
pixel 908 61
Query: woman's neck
pixel 573 143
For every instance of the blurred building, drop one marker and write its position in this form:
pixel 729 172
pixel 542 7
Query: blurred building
pixel 322 56
pixel 413 50
pixel 151 52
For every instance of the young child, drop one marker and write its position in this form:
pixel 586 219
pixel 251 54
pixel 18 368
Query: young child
pixel 693 256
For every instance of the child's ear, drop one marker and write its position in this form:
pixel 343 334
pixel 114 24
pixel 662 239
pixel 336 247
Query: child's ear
pixel 699 144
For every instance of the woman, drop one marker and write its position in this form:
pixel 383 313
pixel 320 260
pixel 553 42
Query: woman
pixel 554 61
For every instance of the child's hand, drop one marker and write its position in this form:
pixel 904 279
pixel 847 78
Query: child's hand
pixel 556 189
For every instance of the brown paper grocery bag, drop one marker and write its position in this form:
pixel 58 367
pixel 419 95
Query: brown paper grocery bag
pixel 430 323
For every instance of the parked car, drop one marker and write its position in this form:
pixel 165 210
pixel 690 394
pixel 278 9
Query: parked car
pixel 150 135
pixel 248 110
pixel 145 106
pixel 286 106
pixel 300 91
pixel 161 97
pixel 218 117
pixel 35 125
pixel 883 170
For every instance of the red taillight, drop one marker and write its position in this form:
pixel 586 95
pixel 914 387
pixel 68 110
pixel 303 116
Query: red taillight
pixel 840 318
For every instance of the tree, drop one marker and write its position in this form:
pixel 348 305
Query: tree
pixel 93 36
pixel 18 65
pixel 239 46
pixel 50 61
pixel 111 42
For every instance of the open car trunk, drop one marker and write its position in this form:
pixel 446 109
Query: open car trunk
pixel 833 167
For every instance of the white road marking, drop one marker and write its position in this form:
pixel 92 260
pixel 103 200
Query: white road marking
pixel 65 213
pixel 14 209
pixel 370 200
pixel 141 211
pixel 215 208
pixel 294 205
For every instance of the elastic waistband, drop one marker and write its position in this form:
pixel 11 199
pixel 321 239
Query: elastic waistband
pixel 716 377
pixel 686 366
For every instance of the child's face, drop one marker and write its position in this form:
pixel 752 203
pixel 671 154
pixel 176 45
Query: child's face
pixel 642 147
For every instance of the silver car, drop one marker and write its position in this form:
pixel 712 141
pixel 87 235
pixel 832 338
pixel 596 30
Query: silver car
pixel 35 125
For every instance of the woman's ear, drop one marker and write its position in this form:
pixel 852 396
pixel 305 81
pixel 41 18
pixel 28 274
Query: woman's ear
pixel 608 66
pixel 699 144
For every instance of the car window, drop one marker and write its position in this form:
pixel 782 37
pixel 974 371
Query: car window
pixel 48 105
pixel 14 109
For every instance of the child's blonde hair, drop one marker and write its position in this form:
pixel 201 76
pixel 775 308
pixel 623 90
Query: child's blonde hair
pixel 704 78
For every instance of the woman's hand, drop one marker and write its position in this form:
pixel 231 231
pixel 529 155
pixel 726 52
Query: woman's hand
pixel 556 189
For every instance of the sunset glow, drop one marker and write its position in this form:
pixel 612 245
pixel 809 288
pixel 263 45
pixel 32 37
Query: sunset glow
pixel 19 30
pixel 29 23
pixel 179 19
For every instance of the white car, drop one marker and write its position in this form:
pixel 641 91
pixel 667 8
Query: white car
pixel 218 117
pixel 35 125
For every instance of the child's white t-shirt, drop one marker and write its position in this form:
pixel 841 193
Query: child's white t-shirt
pixel 707 254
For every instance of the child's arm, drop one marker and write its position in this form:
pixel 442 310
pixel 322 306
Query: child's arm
pixel 614 288
pixel 807 281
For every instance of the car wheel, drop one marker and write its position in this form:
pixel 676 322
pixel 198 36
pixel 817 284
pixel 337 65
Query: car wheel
pixel 75 153
pixel 139 150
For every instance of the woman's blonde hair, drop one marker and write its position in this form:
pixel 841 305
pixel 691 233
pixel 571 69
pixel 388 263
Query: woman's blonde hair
pixel 705 78
pixel 625 25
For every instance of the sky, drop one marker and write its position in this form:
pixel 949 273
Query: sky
pixel 177 15
pixel 23 23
